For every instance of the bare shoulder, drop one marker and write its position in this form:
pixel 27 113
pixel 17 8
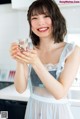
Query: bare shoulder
pixel 75 55
pixel 76 51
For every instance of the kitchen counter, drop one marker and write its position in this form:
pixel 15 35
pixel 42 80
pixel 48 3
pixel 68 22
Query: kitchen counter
pixel 10 93
pixel 74 96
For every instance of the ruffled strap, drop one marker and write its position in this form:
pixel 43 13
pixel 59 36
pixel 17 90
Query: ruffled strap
pixel 68 49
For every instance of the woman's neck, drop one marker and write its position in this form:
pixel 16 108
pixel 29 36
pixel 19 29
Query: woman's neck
pixel 46 44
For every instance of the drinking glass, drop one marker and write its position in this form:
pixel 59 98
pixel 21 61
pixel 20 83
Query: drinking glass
pixel 25 44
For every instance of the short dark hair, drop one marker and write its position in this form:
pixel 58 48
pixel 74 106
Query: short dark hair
pixel 58 21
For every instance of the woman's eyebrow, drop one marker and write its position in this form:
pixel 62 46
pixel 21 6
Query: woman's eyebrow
pixel 45 13
pixel 34 15
pixel 37 13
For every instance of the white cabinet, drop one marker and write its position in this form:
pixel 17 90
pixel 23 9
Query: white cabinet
pixel 24 4
pixel 21 4
pixel 76 112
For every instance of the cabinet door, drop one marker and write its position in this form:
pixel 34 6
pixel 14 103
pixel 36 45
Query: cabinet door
pixel 16 109
pixel 21 4
pixel 76 112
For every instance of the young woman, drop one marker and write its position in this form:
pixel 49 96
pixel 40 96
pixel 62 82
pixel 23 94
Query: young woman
pixel 50 67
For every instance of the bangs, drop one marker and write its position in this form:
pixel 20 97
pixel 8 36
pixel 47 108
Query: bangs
pixel 39 10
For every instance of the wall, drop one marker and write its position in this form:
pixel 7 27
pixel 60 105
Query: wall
pixel 72 15
pixel 13 25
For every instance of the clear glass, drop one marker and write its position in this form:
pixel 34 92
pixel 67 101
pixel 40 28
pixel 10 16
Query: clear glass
pixel 24 44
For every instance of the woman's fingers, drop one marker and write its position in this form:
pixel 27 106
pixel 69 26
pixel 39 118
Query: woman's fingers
pixel 32 51
pixel 14 49
pixel 24 56
pixel 14 46
pixel 25 59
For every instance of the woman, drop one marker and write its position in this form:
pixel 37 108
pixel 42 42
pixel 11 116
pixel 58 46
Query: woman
pixel 53 63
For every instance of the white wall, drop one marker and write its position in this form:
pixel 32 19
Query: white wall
pixel 13 25
pixel 72 15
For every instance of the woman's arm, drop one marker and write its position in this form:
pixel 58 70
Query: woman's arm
pixel 21 75
pixel 59 88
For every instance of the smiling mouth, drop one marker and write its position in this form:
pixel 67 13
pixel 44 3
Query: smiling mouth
pixel 43 29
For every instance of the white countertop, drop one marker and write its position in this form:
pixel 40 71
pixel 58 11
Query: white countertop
pixel 74 102
pixel 10 93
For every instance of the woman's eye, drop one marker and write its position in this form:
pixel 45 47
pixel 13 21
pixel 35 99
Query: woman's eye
pixel 33 18
pixel 46 16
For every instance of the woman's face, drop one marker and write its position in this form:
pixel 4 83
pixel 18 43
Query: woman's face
pixel 41 25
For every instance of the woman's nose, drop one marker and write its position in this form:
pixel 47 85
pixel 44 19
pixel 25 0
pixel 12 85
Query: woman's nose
pixel 41 21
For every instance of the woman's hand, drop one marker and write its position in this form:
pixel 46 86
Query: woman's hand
pixel 14 50
pixel 29 57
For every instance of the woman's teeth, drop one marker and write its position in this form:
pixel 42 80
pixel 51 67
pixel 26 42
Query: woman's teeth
pixel 42 29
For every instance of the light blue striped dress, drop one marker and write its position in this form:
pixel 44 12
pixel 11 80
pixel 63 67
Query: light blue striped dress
pixel 41 104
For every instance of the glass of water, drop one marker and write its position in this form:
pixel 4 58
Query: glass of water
pixel 25 44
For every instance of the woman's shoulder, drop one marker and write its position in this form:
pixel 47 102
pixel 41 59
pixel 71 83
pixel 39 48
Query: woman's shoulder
pixel 75 51
pixel 77 47
pixel 70 49
pixel 74 47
